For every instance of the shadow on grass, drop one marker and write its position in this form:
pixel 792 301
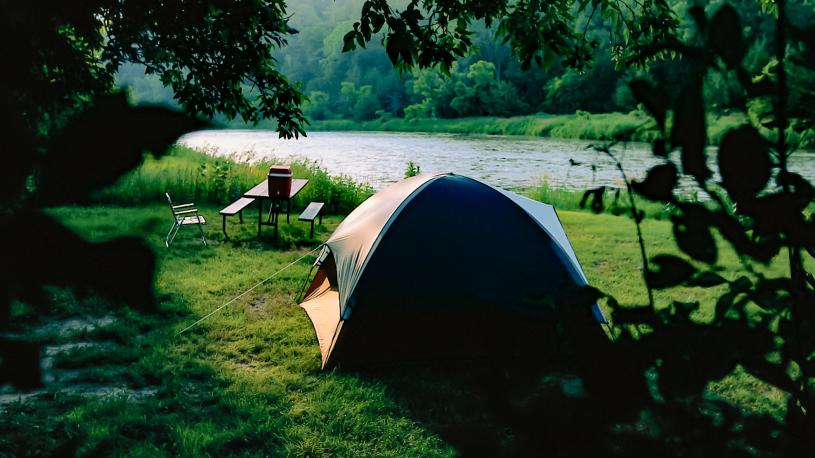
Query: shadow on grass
pixel 572 404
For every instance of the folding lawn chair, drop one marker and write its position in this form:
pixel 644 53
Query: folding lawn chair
pixel 183 215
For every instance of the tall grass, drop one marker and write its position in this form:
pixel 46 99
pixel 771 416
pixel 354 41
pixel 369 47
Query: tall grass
pixel 190 175
pixel 564 199
pixel 634 126
pixel 608 126
pixel 194 176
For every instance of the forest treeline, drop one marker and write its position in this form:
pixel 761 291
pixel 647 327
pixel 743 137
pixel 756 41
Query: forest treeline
pixel 362 85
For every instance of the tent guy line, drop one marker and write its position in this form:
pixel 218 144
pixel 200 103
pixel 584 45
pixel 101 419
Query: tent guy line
pixel 247 291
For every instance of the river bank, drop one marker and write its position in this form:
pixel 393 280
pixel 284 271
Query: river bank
pixel 634 126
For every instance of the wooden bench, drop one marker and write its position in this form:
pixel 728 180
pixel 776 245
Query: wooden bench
pixel 310 213
pixel 235 208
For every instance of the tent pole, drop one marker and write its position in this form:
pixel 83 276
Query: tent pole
pixel 302 290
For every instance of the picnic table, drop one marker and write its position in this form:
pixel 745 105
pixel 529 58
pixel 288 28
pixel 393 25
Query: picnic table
pixel 261 193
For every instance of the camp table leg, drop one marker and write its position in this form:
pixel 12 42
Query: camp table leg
pixel 288 210
pixel 271 218
pixel 276 224
pixel 223 217
pixel 260 215
pixel 275 215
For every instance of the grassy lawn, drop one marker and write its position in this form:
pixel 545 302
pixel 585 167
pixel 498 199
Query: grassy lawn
pixel 247 381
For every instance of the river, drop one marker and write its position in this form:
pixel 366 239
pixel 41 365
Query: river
pixel 511 162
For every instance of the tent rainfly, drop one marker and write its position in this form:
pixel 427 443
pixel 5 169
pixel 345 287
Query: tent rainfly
pixel 440 266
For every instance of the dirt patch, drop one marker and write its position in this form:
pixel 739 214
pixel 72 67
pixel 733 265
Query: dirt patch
pixel 51 374
pixel 73 326
pixel 9 397
pixel 63 330
pixel 75 381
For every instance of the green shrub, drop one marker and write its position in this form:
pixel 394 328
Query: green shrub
pixel 564 199
pixel 412 169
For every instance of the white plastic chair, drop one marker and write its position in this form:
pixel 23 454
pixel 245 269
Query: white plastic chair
pixel 183 215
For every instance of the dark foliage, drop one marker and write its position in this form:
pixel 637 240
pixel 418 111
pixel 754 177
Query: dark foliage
pixel 67 133
pixel 761 209
pixel 661 359
pixel 427 33
pixel 596 196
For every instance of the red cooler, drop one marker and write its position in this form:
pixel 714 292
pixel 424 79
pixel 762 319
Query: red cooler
pixel 279 181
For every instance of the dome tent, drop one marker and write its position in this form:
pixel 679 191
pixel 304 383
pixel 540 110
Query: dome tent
pixel 439 266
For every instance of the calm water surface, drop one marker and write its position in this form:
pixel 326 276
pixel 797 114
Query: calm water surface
pixel 380 158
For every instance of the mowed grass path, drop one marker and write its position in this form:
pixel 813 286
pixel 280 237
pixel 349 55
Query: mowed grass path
pixel 247 380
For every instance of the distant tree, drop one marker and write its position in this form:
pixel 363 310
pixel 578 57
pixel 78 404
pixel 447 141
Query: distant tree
pixel 367 104
pixel 479 93
pixel 590 91
pixel 430 88
pixel 347 99
pixel 318 106
pixel 423 109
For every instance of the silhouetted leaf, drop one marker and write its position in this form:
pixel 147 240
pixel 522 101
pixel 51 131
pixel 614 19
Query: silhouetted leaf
pixel 799 186
pixel 638 315
pixel 596 196
pixel 724 303
pixel 726 37
pixel 348 43
pixel 770 373
pixel 697 12
pixel 706 280
pixel 653 99
pixel 47 253
pixel 658 184
pixel 106 261
pixel 693 236
pixel 744 162
pixel 686 307
pixel 781 213
pixel 658 147
pixel 772 294
pixel 732 230
pixel 20 363
pixel 18 143
pixel 689 132
pixel 102 143
pixel 672 271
